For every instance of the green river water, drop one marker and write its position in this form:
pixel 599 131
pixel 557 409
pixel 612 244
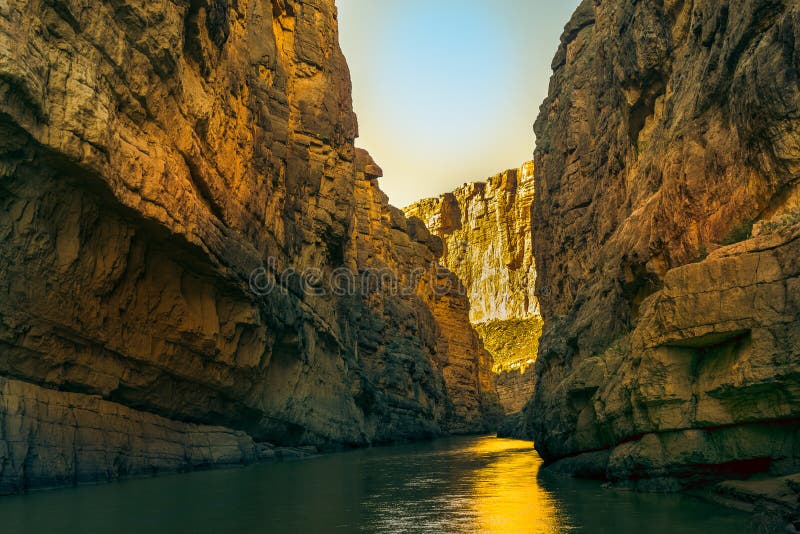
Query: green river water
pixel 465 484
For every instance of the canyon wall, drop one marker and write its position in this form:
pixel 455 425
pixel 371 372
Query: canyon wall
pixel 665 230
pixel 513 344
pixel 194 258
pixel 485 228
pixel 486 231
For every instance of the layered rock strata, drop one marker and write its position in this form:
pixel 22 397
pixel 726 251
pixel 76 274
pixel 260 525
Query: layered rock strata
pixel 670 349
pixel 419 307
pixel 485 229
pixel 180 191
pixel 78 437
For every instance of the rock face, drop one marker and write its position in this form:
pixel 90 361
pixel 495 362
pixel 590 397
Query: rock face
pixel 77 437
pixel 515 388
pixel 417 307
pixel 185 233
pixel 513 344
pixel 485 228
pixel 670 129
pixel 486 231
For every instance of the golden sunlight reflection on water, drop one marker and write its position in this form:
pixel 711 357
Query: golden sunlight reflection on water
pixel 505 492
pixel 476 484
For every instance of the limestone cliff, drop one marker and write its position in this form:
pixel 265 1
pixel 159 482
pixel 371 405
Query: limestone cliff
pixel 180 190
pixel 485 229
pixel 670 350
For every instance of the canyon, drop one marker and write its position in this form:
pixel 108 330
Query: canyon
pixel 485 228
pixel 198 267
pixel 666 238
pixel 180 190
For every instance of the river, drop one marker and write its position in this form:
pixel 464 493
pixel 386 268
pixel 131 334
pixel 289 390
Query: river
pixel 464 484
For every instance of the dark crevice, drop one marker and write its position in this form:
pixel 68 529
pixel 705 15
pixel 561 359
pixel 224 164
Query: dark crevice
pixel 204 190
pixel 206 31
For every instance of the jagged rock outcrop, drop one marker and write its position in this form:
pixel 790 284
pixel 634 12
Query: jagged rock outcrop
pixel 180 192
pixel 485 229
pixel 669 130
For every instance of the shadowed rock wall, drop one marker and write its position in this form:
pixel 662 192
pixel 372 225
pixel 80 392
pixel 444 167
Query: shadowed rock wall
pixel 669 131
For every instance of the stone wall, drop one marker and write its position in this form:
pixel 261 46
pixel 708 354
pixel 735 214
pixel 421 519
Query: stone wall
pixel 515 388
pixel 52 438
pixel 486 231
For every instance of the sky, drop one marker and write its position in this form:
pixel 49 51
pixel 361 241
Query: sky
pixel 446 91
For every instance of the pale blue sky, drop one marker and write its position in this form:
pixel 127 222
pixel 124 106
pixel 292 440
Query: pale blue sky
pixel 446 91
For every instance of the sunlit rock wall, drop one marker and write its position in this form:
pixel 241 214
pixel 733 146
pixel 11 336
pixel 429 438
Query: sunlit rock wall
pixel 153 157
pixel 486 231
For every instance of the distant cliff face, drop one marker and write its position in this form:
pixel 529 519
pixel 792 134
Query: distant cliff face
pixel 485 228
pixel 421 310
pixel 179 190
pixel 513 344
pixel 486 231
pixel 670 128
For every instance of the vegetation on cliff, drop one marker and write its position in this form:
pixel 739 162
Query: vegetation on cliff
pixel 513 343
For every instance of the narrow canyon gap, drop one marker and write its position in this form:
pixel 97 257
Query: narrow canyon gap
pixel 486 231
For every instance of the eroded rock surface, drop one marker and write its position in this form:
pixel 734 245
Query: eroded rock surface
pixel 78 438
pixel 153 157
pixel 486 231
pixel 670 129
pixel 485 228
